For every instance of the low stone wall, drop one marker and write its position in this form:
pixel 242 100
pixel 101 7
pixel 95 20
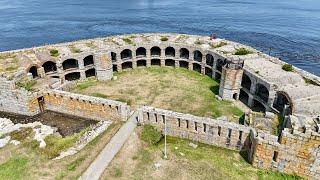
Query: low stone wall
pixel 85 106
pixel 209 131
pixel 295 153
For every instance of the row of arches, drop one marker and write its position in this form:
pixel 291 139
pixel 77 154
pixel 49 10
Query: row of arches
pixel 170 52
pixel 260 90
pixel 77 75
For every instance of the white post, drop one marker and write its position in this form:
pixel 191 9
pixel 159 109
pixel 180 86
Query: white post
pixel 165 138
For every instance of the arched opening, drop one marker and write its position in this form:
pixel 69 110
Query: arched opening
pixel 170 62
pixel 33 70
pixel 197 56
pixel 170 52
pixel 113 56
pixel 126 54
pixel 49 66
pixel 155 62
pixel 114 68
pixel 72 76
pixel 141 52
pixel 70 64
pixel 184 64
pixel 209 60
pixel 282 102
pixel 244 97
pixel 126 65
pixel 88 60
pixel 155 51
pixel 184 53
pixel 246 82
pixel 197 67
pixel 217 76
pixel 141 63
pixel 90 72
pixel 220 64
pixel 208 72
pixel 258 107
pixel 262 92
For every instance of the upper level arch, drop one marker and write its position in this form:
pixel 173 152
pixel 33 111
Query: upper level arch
pixel 170 52
pixel 209 60
pixel 141 52
pixel 34 71
pixel 88 60
pixel 126 54
pixel 49 66
pixel 70 64
pixel 155 51
pixel 184 53
pixel 113 56
pixel 283 103
pixel 262 92
pixel 197 56
pixel 246 82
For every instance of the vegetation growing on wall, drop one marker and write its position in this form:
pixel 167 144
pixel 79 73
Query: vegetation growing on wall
pixel 287 67
pixel 222 43
pixel 164 38
pixel 54 53
pixel 74 49
pixel 242 51
pixel 27 84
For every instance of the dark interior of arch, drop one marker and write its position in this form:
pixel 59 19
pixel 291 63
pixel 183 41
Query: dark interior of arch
pixel 170 52
pixel 280 103
pixel 155 62
pixel 126 54
pixel 262 92
pixel 184 64
pixel 155 51
pixel 72 76
pixel 33 70
pixel 217 76
pixel 90 72
pixel 258 107
pixel 246 81
pixel 209 59
pixel 113 56
pixel 184 53
pixel 70 63
pixel 170 62
pixel 126 65
pixel 49 66
pixel 114 67
pixel 208 71
pixel 197 56
pixel 141 63
pixel 197 67
pixel 220 64
pixel 88 60
pixel 243 97
pixel 141 51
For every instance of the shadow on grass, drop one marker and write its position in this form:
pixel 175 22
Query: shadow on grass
pixel 215 89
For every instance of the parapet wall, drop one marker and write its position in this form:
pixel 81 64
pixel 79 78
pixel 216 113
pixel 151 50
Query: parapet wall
pixel 209 131
pixel 85 106
pixel 295 153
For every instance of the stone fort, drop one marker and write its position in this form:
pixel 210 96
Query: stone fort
pixel 256 79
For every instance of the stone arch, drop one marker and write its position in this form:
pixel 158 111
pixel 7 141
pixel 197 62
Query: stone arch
pixel 126 65
pixel 246 82
pixel 220 64
pixel 72 76
pixel 126 54
pixel 170 52
pixel 34 71
pixel 184 64
pixel 196 67
pixel 209 60
pixel 114 68
pixel 155 62
pixel 208 71
pixel 258 106
pixel 197 56
pixel 283 100
pixel 114 57
pixel 142 63
pixel 88 60
pixel 262 92
pixel 70 64
pixel 90 72
pixel 49 66
pixel 244 97
pixel 141 52
pixel 155 51
pixel 170 62
pixel 184 53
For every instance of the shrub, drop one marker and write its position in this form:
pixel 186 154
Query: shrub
pixel 127 40
pixel 27 85
pixel 163 38
pixel 242 51
pixel 219 45
pixel 150 134
pixel 287 67
pixel 20 135
pixel 74 49
pixel 54 52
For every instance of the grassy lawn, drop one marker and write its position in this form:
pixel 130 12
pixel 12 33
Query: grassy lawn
pixel 184 162
pixel 179 90
pixel 28 161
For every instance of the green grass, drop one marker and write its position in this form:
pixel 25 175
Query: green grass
pixel 219 45
pixel 287 67
pixel 21 134
pixel 85 84
pixel 27 85
pixel 242 51
pixel 100 95
pixel 15 168
pixel 74 49
pixel 54 53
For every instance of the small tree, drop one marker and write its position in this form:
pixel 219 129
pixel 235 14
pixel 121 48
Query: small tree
pixel 151 135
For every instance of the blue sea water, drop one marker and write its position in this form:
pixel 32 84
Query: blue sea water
pixel 289 29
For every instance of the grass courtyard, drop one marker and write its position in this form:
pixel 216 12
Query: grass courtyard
pixel 178 90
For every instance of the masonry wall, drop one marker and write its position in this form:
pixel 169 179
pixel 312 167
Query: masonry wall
pixel 15 100
pixel 209 131
pixel 85 106
pixel 295 153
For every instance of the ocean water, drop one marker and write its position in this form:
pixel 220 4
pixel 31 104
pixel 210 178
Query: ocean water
pixel 289 29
